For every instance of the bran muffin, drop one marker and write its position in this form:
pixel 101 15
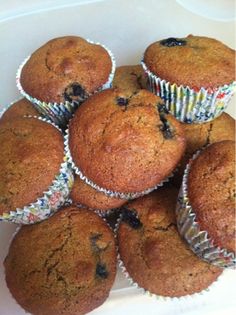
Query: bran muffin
pixel 130 78
pixel 211 192
pixel 73 268
pixel 193 61
pixel 19 109
pixel 125 144
pixel 154 254
pixel 86 195
pixel 200 135
pixel 31 159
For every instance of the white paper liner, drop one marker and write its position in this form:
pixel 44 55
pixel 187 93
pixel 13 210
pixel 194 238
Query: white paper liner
pixel 51 200
pixel 146 292
pixel 109 193
pixel 188 105
pixel 198 240
pixel 60 113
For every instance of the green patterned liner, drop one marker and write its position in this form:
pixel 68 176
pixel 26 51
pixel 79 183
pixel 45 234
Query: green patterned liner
pixel 51 200
pixel 60 113
pixel 199 241
pixel 190 105
pixel 109 193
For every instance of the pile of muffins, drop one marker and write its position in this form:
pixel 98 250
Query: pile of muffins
pixel 148 144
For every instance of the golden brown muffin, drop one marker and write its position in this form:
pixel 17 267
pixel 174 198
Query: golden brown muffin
pixel 64 265
pixel 66 69
pixel 199 135
pixel 154 254
pixel 32 152
pixel 19 109
pixel 211 192
pixel 125 144
pixel 130 78
pixel 85 195
pixel 193 61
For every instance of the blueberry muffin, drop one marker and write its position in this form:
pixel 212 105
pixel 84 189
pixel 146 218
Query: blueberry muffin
pixel 129 78
pixel 193 61
pixel 18 109
pixel 86 195
pixel 31 159
pixel 66 69
pixel 200 135
pixel 73 268
pixel 125 144
pixel 154 254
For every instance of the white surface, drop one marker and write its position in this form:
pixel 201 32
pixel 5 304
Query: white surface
pixel 126 27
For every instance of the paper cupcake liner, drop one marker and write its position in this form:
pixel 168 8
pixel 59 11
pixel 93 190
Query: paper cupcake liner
pixel 189 105
pixel 52 199
pixel 60 113
pixel 147 292
pixel 198 240
pixel 109 193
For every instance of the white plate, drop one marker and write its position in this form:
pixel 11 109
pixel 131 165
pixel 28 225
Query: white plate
pixel 126 27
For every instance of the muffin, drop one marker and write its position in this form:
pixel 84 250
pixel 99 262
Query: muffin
pixel 18 109
pixel 73 268
pixel 64 72
pixel 130 78
pixel 153 253
pixel 194 75
pixel 86 195
pixel 200 135
pixel 124 146
pixel 35 179
pixel 206 204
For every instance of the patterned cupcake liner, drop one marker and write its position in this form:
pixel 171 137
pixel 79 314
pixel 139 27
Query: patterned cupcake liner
pixel 51 200
pixel 109 193
pixel 61 113
pixel 147 292
pixel 190 105
pixel 198 240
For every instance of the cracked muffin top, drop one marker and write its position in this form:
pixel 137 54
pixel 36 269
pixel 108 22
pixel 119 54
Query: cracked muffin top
pixel 193 61
pixel 200 135
pixel 32 152
pixel 19 109
pixel 64 265
pixel 125 143
pixel 66 69
pixel 154 254
pixel 86 195
pixel 130 78
pixel 211 192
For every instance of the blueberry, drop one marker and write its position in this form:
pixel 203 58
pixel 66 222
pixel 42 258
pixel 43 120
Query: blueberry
pixel 121 101
pixel 130 217
pixel 75 92
pixel 101 271
pixel 171 42
pixel 165 127
pixel 162 108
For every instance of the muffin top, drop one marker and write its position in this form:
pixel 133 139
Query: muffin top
pixel 154 254
pixel 130 78
pixel 193 61
pixel 199 135
pixel 19 109
pixel 31 155
pixel 85 195
pixel 125 144
pixel 211 192
pixel 66 69
pixel 73 268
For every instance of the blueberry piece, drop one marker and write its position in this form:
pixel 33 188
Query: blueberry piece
pixel 75 92
pixel 121 101
pixel 101 271
pixel 171 42
pixel 130 217
pixel 162 108
pixel 165 127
